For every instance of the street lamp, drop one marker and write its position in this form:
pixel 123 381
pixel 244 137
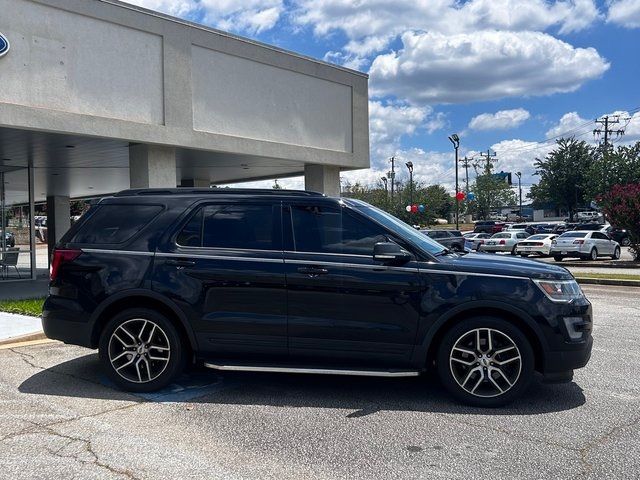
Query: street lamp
pixel 386 186
pixel 519 175
pixel 410 168
pixel 455 140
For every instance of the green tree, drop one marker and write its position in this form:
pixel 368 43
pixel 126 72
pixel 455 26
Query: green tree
pixel 490 192
pixel 621 205
pixel 563 175
pixel 611 167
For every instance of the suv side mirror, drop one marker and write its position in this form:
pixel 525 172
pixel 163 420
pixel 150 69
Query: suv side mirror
pixel 390 253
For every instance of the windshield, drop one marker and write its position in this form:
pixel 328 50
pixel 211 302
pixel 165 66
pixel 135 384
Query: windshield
pixel 538 237
pixel 502 235
pixel 396 225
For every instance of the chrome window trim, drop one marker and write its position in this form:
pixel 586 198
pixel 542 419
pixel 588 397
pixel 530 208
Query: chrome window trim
pixel 329 253
pixel 124 252
pixel 221 257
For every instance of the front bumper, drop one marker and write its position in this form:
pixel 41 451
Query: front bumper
pixel 570 359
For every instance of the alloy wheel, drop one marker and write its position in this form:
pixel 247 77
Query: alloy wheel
pixel 139 350
pixel 485 362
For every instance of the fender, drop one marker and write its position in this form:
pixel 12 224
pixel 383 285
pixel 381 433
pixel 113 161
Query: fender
pixel 421 349
pixel 141 292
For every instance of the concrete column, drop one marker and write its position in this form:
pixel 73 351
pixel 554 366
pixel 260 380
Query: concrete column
pixel 322 178
pixel 58 219
pixel 152 166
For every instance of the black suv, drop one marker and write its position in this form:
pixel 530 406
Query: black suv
pixel 292 281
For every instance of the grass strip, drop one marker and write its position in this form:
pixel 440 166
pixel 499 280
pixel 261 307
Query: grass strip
pixel 29 306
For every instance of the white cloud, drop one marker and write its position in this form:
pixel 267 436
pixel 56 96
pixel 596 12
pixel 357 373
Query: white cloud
pixel 571 124
pixel 625 13
pixel 370 25
pixel 502 120
pixel 485 65
pixel 253 16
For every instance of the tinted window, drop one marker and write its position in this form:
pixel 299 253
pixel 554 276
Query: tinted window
pixel 332 230
pixel 573 235
pixel 521 235
pixel 231 226
pixel 599 236
pixel 115 223
pixel 455 233
pixel 502 235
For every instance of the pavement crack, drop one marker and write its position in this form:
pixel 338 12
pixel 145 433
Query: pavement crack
pixel 87 447
pixel 587 467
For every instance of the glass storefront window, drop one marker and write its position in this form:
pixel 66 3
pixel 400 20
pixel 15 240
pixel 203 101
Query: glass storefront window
pixel 15 229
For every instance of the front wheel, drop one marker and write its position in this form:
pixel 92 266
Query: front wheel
pixel 616 254
pixel 485 362
pixel 557 258
pixel 141 350
pixel 626 242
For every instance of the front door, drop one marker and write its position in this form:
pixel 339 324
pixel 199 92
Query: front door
pixel 342 306
pixel 224 268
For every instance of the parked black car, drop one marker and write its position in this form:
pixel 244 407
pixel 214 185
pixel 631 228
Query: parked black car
pixel 9 239
pixel 620 235
pixel 452 239
pixel 289 281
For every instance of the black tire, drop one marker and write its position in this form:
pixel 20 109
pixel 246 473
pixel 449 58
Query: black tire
pixel 625 242
pixel 593 254
pixel 505 331
pixel 513 250
pixel 524 255
pixel 616 254
pixel 168 364
pixel 557 258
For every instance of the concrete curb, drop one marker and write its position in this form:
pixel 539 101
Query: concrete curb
pixel 608 281
pixel 29 337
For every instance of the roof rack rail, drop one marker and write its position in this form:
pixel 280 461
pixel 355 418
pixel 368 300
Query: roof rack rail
pixel 215 191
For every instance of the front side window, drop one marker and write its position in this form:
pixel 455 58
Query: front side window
pixel 237 226
pixel 332 230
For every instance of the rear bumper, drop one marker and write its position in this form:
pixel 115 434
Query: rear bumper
pixel 62 323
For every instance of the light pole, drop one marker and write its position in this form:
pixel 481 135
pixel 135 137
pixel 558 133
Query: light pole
pixel 410 168
pixel 519 175
pixel 455 140
pixel 392 174
pixel 386 189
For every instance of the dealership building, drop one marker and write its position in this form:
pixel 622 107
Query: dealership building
pixel 98 95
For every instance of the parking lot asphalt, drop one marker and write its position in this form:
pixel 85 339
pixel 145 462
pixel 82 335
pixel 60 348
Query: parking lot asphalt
pixel 60 418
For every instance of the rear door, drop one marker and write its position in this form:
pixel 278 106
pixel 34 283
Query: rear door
pixel 604 244
pixel 224 267
pixel 344 307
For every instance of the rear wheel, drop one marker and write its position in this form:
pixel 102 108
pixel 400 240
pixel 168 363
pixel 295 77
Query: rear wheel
pixel 557 258
pixel 626 242
pixel 141 350
pixel 485 362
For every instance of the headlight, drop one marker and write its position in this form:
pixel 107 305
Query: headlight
pixel 561 291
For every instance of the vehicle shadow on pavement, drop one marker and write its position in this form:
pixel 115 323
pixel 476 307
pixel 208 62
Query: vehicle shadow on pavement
pixel 361 396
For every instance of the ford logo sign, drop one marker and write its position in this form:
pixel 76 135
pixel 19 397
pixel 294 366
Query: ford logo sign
pixel 4 45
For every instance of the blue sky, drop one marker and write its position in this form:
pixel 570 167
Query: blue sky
pixel 503 74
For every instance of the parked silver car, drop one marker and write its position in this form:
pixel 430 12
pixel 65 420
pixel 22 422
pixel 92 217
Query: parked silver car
pixel 588 245
pixel 473 240
pixel 539 244
pixel 503 242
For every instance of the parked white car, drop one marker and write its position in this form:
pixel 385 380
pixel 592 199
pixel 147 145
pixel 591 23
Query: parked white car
pixel 503 242
pixel 473 240
pixel 585 244
pixel 539 244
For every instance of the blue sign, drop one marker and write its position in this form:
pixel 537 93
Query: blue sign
pixel 4 45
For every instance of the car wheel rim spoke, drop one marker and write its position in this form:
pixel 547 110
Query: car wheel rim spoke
pixel 143 359
pixel 485 362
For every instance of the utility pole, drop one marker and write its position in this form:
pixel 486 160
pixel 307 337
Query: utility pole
pixel 490 159
pixel 519 175
pixel 466 162
pixel 605 122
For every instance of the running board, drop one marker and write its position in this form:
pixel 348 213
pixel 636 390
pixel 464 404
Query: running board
pixel 317 371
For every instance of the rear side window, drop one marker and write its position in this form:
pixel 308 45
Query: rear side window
pixel 111 224
pixel 253 227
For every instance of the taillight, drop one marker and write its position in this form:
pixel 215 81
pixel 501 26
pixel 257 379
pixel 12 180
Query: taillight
pixel 502 242
pixel 61 256
pixel 578 242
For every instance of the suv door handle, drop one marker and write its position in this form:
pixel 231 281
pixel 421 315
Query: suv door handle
pixel 180 263
pixel 313 271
